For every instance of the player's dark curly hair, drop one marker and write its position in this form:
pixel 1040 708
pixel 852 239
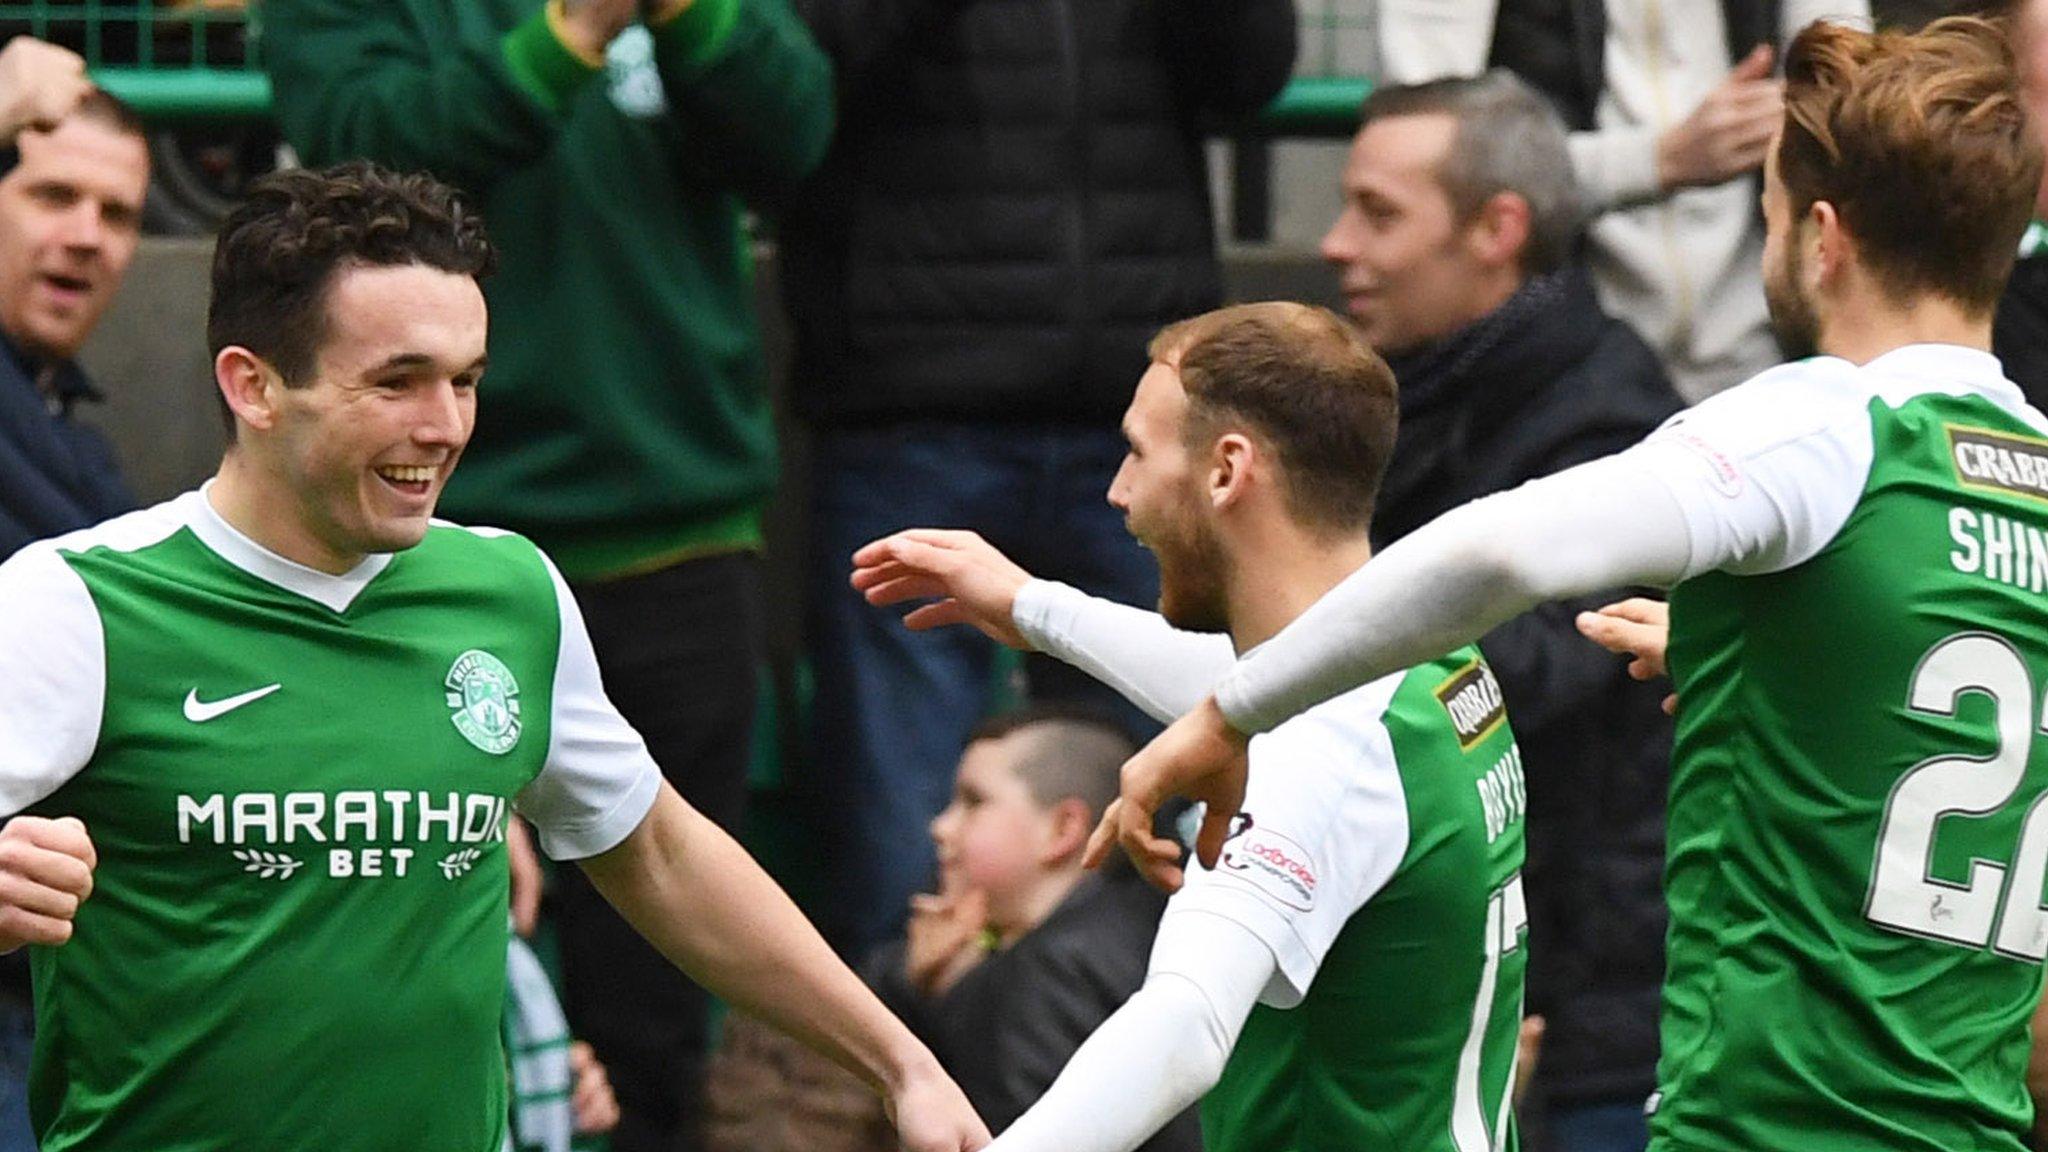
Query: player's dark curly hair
pixel 278 252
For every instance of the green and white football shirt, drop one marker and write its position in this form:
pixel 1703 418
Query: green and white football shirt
pixel 1859 793
pixel 1379 857
pixel 298 786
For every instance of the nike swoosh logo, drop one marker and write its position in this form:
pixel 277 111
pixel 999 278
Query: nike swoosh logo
pixel 200 711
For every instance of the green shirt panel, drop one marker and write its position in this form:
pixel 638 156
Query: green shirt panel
pixel 1371 1057
pixel 297 937
pixel 1803 1006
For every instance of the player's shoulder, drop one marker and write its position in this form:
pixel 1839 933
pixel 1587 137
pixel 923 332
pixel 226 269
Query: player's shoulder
pixel 1778 405
pixel 46 560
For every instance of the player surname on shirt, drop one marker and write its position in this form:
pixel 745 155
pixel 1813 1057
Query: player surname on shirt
pixel 1987 544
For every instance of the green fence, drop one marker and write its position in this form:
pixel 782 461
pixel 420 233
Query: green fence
pixel 188 63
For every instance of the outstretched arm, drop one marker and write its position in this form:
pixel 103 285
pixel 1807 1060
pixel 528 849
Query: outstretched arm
pixel 696 895
pixel 1154 665
pixel 1158 1053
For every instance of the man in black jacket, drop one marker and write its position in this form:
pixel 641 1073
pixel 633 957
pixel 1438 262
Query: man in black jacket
pixel 1015 202
pixel 1455 253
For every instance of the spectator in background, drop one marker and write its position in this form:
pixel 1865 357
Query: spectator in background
pixel 1454 253
pixel 2019 336
pixel 611 145
pixel 1015 201
pixel 70 216
pixel 1022 952
pixel 1667 138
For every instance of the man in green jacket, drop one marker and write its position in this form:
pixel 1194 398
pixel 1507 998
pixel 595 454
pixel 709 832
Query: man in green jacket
pixel 612 144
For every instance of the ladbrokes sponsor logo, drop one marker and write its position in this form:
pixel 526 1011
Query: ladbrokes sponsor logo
pixel 1271 863
pixel 1997 460
pixel 1472 697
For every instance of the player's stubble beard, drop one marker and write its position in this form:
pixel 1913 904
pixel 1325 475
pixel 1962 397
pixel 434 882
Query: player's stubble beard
pixel 1194 572
pixel 1793 320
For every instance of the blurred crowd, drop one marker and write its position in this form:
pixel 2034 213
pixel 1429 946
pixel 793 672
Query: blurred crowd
pixel 982 212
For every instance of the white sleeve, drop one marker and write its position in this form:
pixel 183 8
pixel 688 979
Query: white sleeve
pixel 1797 14
pixel 53 676
pixel 1433 39
pixel 1323 827
pixel 1158 667
pixel 599 781
pixel 1766 473
pixel 1158 1053
pixel 1616 166
pixel 1756 479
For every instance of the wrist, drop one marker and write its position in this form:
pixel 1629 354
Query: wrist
pixel 1674 167
pixel 659 12
pixel 587 44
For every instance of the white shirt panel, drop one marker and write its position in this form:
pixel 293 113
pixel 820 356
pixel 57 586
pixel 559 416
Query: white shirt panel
pixel 1328 825
pixel 1768 472
pixel 53 654
pixel 599 780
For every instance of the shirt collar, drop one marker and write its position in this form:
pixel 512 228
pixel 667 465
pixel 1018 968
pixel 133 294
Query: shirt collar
pixel 334 592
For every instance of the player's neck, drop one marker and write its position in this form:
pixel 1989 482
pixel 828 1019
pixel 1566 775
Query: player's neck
pixel 1290 569
pixel 263 511
pixel 1870 328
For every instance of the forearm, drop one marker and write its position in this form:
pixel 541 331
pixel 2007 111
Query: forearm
pixel 1616 167
pixel 1159 668
pixel 749 91
pixel 1160 1052
pixel 1601 525
pixel 697 896
pixel 356 80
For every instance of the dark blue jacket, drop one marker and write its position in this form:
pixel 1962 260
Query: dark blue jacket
pixel 56 475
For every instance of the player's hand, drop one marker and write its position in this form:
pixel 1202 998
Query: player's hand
pixel 931 1114
pixel 591 1100
pixel 39 85
pixel 1636 627
pixel 527 880
pixel 1528 1050
pixel 1199 756
pixel 944 938
pixel 45 874
pixel 589 26
pixel 1728 134
pixel 971 581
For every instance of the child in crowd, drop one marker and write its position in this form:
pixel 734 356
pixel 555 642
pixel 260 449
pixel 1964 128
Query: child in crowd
pixel 1005 969
pixel 1022 951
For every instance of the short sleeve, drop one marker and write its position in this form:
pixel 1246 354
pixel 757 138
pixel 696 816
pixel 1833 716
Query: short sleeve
pixel 53 676
pixel 1323 828
pixel 599 780
pixel 1769 471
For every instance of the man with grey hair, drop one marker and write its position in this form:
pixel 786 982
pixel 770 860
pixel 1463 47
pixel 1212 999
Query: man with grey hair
pixel 1456 253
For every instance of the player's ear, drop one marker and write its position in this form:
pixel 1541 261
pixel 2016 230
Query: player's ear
pixel 250 386
pixel 1832 248
pixel 1230 468
pixel 1070 825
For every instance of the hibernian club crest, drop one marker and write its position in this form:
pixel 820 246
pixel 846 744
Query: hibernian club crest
pixel 485 698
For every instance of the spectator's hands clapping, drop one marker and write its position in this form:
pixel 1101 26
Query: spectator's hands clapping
pixel 944 938
pixel 39 85
pixel 45 874
pixel 972 582
pixel 1728 134
pixel 590 25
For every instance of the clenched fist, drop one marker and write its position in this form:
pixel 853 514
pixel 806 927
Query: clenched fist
pixel 45 874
